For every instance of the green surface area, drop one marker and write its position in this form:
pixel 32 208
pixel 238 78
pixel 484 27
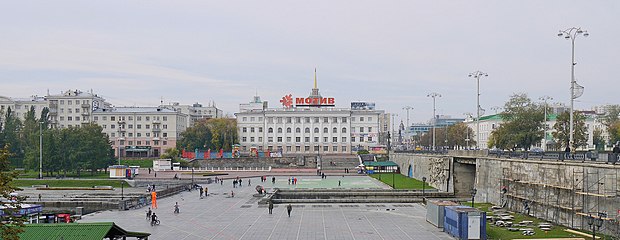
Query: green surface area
pixel 399 181
pixel 143 163
pixel 83 175
pixel 500 233
pixel 67 183
pixel 76 231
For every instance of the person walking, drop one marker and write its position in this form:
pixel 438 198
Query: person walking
pixel 206 191
pixel 201 191
pixel 148 214
pixel 39 197
pixel 289 208
pixel 240 180
pixel 338 183
pixel 567 152
pixel 273 180
pixel 270 206
pixel 176 207
pixel 221 182
pixel 249 182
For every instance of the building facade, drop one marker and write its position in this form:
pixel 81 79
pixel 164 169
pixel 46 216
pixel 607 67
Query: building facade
pixel 141 131
pixel 73 108
pixel 310 125
pixel 20 106
pixel 196 111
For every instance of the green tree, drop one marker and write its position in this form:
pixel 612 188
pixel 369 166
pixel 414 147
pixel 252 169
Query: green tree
pixel 458 133
pixel 10 135
pixel 197 136
pixel 523 124
pixel 611 120
pixel 562 130
pixel 211 134
pixel 30 138
pixel 11 225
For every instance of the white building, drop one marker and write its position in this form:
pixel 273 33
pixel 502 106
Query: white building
pixel 20 106
pixel 196 111
pixel 141 131
pixel 73 108
pixel 308 125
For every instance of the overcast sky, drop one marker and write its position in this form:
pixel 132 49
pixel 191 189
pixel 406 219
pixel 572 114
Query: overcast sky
pixel 393 53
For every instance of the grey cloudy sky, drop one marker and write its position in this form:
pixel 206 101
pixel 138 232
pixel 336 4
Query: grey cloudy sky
pixel 390 52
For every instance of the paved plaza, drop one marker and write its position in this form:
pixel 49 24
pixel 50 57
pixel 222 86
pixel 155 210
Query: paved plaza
pixel 221 216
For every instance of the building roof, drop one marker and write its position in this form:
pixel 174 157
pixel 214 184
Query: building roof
pixel 77 231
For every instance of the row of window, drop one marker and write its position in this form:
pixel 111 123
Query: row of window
pixel 306 119
pixel 138 134
pixel 130 118
pixel 138 126
pixel 306 130
pixel 72 118
pixel 298 148
pixel 70 110
pixel 306 139
pixel 70 102
pixel 146 143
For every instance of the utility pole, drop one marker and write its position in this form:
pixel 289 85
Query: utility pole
pixel 434 95
pixel 477 75
pixel 40 150
pixel 544 143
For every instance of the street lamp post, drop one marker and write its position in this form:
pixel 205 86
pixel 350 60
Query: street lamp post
pixel 477 75
pixel 545 98
pixel 122 190
pixel 434 95
pixel 571 34
pixel 40 150
pixel 423 188
pixel 473 196
pixel 594 223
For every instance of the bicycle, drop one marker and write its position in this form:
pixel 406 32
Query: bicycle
pixel 156 222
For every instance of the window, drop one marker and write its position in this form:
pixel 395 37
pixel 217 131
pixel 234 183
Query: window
pixel 325 139
pixel 70 110
pixel 260 129
pixel 288 139
pixel 297 148
pixel 325 120
pixel 138 135
pixel 77 118
pixel 147 126
pixel 370 139
pixel 130 126
pixel 344 148
pixel 69 118
pixel 147 118
pixel 370 119
pixel 260 119
pixel 164 143
pixel 316 120
pixel 316 139
pixel 307 119
pixel 344 130
pixel 260 139
pixel 369 129
pixel 165 126
pixel 62 102
pixel 361 119
pixel 298 130
pixel 316 130
pixel 140 119
pixel 288 148
pixel 270 130
pixel 335 130
pixel 344 119
pixel 252 129
pixel 163 135
pixel 298 139
pixel 279 119
pixel 252 139
pixel 148 134
pixel 307 139
pixel 105 118
pixel 297 120
pixel 324 130
pixel 270 120
pixel 69 102
pixel 112 126
pixel 269 139
pixel 244 119
pixel 130 117
pixel 344 139
pixel 279 130
pixel 279 139
pixel 148 142
pixel 289 120
pixel 112 118
pixel 335 148
pixel 335 139
pixel 307 130
pixel 361 129
pixel 352 139
pixel 288 130
pixel 251 119
pixel 130 134
pixel 112 135
pixel 96 118
pixel 139 143
pixel 325 148
pixel 130 142
pixel 244 139
pixel 244 129
pixel 139 126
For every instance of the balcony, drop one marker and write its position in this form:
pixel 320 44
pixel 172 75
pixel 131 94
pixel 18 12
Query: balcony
pixel 85 113
pixel 156 129
pixel 84 105
pixel 156 122
pixel 121 130
pixel 156 139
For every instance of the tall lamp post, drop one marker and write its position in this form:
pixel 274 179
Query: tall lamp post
pixel 40 150
pixel 594 223
pixel 407 127
pixel 477 75
pixel 545 98
pixel 423 188
pixel 468 115
pixel 571 34
pixel 434 95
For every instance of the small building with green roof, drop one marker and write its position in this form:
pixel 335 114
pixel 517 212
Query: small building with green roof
pixel 79 231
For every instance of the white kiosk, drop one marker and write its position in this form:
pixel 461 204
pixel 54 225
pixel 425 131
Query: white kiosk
pixel 162 165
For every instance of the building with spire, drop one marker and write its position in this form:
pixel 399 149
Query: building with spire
pixel 309 125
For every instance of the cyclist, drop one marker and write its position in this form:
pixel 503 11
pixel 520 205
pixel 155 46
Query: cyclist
pixel 176 207
pixel 153 219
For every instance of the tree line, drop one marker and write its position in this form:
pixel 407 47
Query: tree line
pixel 214 134
pixel 72 149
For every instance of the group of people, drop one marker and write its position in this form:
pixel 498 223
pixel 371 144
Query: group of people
pixel 292 180
pixel 204 190
pixel 150 188
pixel 289 208
pixel 237 182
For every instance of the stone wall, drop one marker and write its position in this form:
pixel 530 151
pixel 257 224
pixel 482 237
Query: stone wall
pixel 436 169
pixel 247 162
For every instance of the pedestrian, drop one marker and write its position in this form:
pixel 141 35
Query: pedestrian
pixel 221 182
pixel 240 180
pixel 234 183
pixel 206 191
pixel 567 152
pixel 317 172
pixel 201 191
pixel 176 207
pixel 289 181
pixel 249 182
pixel 289 208
pixel 270 206
pixel 149 171
pixel 232 194
pixel 155 174
pixel 338 183
pixel 39 197
pixel 273 180
pixel 616 152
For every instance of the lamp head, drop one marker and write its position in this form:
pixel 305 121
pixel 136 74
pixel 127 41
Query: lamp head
pixel 567 36
pixel 469 75
pixel 585 34
pixel 423 179
pixel 590 219
pixel 486 75
pixel 580 31
pixel 560 34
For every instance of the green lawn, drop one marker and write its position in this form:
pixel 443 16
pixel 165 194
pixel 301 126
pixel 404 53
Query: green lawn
pixel 68 183
pixel 402 181
pixel 501 233
pixel 83 175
